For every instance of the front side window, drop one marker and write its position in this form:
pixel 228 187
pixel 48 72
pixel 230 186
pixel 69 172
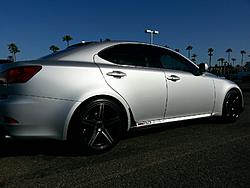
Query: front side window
pixel 176 62
pixel 165 59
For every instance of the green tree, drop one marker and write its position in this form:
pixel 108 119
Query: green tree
pixel 210 54
pixel 189 48
pixel 66 39
pixel 54 48
pixel 13 50
pixel 242 56
pixel 228 51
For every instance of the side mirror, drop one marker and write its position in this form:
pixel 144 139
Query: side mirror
pixel 203 67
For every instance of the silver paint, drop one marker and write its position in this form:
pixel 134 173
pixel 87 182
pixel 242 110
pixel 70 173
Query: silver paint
pixel 45 104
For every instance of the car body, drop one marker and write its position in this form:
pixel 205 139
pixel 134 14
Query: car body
pixel 95 91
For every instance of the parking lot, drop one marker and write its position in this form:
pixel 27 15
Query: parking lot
pixel 200 153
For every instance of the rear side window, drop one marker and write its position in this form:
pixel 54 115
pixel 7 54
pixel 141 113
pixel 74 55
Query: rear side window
pixel 132 54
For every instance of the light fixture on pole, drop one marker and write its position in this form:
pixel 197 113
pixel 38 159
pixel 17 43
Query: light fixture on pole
pixel 152 33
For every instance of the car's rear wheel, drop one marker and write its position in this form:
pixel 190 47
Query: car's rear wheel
pixel 232 106
pixel 99 125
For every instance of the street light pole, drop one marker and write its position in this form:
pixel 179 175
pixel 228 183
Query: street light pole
pixel 151 38
pixel 152 33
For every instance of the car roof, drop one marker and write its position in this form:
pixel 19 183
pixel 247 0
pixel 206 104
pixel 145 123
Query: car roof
pixel 85 51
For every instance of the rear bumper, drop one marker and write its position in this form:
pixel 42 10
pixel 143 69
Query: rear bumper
pixel 35 116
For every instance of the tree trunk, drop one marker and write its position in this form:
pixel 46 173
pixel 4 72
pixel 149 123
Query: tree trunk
pixel 14 57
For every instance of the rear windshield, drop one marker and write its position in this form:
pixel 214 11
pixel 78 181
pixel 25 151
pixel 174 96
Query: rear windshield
pixel 66 51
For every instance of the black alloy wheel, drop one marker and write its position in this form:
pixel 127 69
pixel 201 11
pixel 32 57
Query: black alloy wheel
pixel 101 124
pixel 232 106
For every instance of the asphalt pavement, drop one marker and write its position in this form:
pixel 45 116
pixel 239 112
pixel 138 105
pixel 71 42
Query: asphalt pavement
pixel 197 153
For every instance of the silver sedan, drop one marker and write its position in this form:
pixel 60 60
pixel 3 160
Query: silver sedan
pixel 94 92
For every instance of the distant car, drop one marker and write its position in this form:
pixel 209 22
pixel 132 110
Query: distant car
pixel 94 92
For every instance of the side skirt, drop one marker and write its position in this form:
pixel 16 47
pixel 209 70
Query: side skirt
pixel 159 121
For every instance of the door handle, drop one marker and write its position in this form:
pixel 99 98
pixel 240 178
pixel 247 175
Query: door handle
pixel 173 78
pixel 117 74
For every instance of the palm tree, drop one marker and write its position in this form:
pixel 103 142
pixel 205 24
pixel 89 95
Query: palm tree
pixel 193 58
pixel 225 66
pixel 233 59
pixel 242 54
pixel 13 50
pixel 67 38
pixel 189 48
pixel 54 48
pixel 229 50
pixel 221 62
pixel 210 54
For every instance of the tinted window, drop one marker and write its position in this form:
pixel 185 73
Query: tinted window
pixel 174 61
pixel 132 54
pixel 146 56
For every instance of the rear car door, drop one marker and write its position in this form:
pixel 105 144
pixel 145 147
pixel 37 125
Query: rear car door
pixel 126 69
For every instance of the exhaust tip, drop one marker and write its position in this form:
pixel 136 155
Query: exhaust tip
pixel 7 137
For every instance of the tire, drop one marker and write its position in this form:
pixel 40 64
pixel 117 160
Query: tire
pixel 232 106
pixel 99 125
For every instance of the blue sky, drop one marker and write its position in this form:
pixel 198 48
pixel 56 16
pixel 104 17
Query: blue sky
pixel 34 25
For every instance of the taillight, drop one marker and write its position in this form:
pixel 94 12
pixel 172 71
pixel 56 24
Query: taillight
pixel 19 74
pixel 8 120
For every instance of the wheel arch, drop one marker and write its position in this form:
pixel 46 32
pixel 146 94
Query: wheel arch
pixel 232 105
pixel 221 92
pixel 238 90
pixel 122 104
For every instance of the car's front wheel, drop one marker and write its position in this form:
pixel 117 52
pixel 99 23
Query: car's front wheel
pixel 232 106
pixel 99 125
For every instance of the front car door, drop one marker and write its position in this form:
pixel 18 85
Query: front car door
pixel 189 92
pixel 126 70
